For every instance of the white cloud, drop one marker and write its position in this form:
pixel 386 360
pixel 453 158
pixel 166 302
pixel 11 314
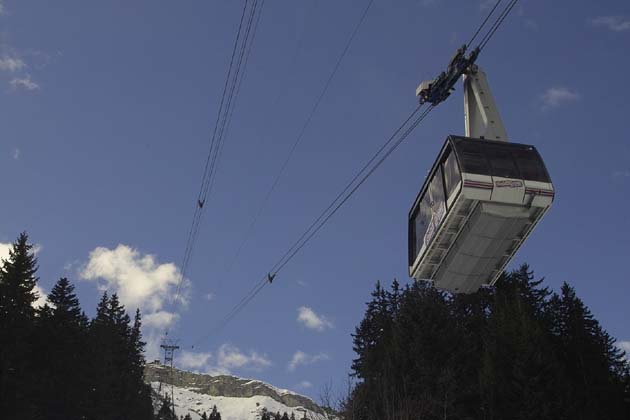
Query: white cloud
pixel 16 154
pixel 153 337
pixel 311 320
pixel 42 297
pixel 161 319
pixel 139 279
pixel 1 8
pixel 72 265
pixel 36 249
pixel 24 83
pixel 209 296
pixel 621 174
pixel 625 346
pixel 556 96
pixel 305 385
pixel 302 359
pixel 11 63
pixel 223 361
pixel 230 357
pixel 614 23
pixel 5 247
pixel 4 251
pixel 193 360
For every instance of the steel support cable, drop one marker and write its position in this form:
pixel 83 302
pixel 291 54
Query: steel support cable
pixel 327 213
pixel 211 152
pixel 232 314
pixel 497 24
pixel 218 144
pixel 245 52
pixel 238 87
pixel 312 230
pixel 258 213
pixel 301 242
pixel 240 82
pixel 187 251
pixel 356 187
pixel 346 188
pixel 227 114
pixel 197 213
pixel 482 44
pixel 483 23
pixel 225 89
pixel 302 131
pixel 281 93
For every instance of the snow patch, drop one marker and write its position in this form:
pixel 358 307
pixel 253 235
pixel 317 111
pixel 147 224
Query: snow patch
pixel 187 401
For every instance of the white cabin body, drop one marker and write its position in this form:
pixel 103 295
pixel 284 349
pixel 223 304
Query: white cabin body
pixel 478 204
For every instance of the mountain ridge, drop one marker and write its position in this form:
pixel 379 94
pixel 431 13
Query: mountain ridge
pixel 196 390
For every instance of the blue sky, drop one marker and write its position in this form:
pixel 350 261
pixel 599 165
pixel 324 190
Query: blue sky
pixel 107 108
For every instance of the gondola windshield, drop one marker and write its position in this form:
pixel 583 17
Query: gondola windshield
pixel 432 208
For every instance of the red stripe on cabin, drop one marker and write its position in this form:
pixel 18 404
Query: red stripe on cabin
pixel 547 193
pixel 478 184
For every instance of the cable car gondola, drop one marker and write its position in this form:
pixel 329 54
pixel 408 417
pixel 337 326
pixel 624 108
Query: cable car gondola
pixel 480 201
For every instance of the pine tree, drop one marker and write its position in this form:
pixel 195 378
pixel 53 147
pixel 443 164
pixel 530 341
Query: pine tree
pixel 595 371
pixel 520 370
pixel 140 402
pixel 513 351
pixel 277 416
pixel 204 416
pixel 285 416
pixel 17 295
pixel 61 329
pixel 102 376
pixel 116 371
pixel 165 412
pixel 370 332
pixel 54 364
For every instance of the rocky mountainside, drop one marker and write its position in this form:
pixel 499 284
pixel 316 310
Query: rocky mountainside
pixel 235 398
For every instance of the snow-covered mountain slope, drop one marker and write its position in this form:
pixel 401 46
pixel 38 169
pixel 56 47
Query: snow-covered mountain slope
pixel 235 398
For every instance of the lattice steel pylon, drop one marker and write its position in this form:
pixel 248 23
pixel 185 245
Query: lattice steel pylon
pixel 169 346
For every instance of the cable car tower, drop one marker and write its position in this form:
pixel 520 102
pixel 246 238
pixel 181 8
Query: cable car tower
pixel 483 195
pixel 169 346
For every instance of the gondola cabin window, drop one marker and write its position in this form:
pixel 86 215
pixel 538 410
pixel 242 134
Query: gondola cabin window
pixel 452 176
pixel 502 163
pixel 472 159
pixel 530 164
pixel 429 214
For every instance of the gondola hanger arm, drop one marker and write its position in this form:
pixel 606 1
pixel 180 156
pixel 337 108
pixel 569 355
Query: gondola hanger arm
pixel 481 116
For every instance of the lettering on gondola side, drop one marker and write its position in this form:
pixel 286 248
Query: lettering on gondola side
pixel 507 183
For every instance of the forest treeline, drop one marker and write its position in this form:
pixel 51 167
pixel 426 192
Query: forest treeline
pixel 55 363
pixel 514 351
